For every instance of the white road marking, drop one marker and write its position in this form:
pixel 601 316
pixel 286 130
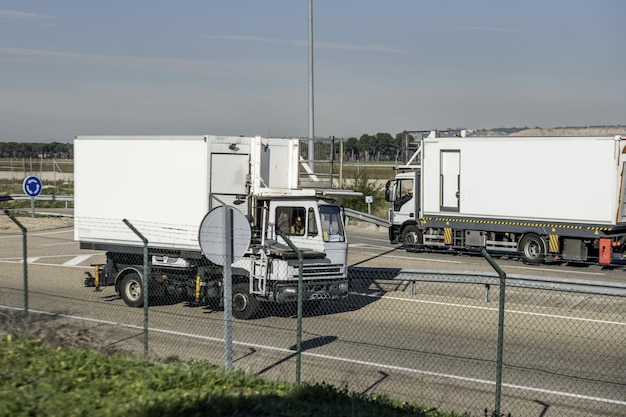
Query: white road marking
pixel 369 245
pixel 411 258
pixel 467 379
pixel 36 234
pixel 19 261
pixel 340 359
pixel 528 313
pixel 569 271
pixel 78 259
pixel 35 260
pixel 418 259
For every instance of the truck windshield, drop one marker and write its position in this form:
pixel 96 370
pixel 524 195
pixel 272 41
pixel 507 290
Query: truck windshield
pixel 332 226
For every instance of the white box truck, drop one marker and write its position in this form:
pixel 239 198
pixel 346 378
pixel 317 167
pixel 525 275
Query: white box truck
pixel 542 198
pixel 165 185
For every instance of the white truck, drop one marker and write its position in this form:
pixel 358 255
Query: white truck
pixel 165 185
pixel 539 198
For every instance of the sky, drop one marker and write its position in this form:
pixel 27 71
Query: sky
pixel 241 67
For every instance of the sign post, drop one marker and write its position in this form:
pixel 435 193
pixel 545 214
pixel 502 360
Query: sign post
pixel 369 200
pixel 32 187
pixel 224 236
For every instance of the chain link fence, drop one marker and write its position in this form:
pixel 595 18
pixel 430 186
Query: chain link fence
pixel 433 340
pixel 321 163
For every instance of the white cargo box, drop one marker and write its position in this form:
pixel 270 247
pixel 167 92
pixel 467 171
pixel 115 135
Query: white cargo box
pixel 162 184
pixel 564 179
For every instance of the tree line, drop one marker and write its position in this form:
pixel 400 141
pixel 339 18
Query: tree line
pixel 52 150
pixel 378 147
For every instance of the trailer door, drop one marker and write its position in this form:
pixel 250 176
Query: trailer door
pixel 622 201
pixel 229 178
pixel 450 180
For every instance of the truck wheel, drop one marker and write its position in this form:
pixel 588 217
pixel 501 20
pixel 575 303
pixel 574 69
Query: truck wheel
pixel 245 305
pixel 411 236
pixel 131 290
pixel 532 249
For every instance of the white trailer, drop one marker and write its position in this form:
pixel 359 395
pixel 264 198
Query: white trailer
pixel 165 185
pixel 540 197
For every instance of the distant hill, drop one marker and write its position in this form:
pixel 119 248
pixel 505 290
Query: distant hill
pixel 574 131
pixel 554 131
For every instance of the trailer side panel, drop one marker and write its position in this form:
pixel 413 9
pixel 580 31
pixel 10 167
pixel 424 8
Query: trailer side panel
pixel 563 179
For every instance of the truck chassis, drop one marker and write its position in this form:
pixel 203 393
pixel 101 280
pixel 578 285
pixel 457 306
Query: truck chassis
pixel 533 242
pixel 187 275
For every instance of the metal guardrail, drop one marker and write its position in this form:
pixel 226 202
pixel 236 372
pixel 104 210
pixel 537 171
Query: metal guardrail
pixel 425 275
pixel 489 278
pixel 378 221
pixel 42 197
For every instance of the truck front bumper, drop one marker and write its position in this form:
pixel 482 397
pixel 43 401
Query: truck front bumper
pixel 319 290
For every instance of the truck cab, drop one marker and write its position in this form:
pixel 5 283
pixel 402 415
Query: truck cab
pixel 403 194
pixel 270 271
pixel 311 222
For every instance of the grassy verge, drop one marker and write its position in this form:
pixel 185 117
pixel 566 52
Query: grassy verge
pixel 69 381
pixel 59 189
pixel 47 374
pixel 21 165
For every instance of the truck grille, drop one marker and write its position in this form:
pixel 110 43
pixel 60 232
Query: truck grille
pixel 320 271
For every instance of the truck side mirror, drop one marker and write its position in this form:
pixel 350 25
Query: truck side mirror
pixel 388 191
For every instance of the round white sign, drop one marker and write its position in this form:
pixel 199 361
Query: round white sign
pixel 214 232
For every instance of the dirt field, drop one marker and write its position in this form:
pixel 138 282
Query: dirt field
pixel 40 222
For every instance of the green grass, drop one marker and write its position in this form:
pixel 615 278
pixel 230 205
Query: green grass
pixel 351 170
pixel 60 188
pixel 19 165
pixel 377 169
pixel 365 177
pixel 38 380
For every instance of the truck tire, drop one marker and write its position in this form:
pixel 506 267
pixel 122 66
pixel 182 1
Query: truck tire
pixel 411 236
pixel 532 249
pixel 131 290
pixel 245 305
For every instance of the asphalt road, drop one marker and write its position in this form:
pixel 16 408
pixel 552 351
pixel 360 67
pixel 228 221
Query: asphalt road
pixel 563 353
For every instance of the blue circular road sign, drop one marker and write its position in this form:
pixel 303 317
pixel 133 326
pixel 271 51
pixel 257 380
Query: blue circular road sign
pixel 32 186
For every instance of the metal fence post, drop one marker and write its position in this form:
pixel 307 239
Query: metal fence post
pixel 228 283
pixel 300 302
pixel 228 288
pixel 25 258
pixel 146 279
pixel 502 275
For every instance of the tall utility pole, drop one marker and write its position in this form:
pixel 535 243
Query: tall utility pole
pixel 311 107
